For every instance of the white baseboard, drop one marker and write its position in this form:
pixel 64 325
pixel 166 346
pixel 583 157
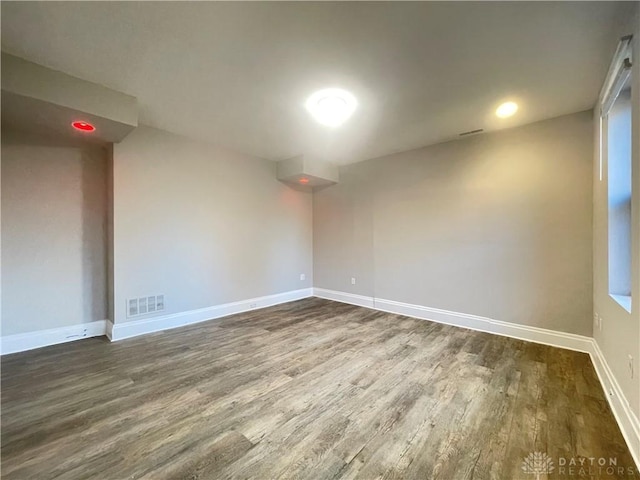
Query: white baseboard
pixel 28 341
pixel 120 331
pixel 109 330
pixel 344 297
pixel 545 336
pixel 465 320
pixel 627 421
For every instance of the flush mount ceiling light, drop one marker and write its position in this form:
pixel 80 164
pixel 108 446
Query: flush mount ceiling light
pixel 332 106
pixel 83 126
pixel 507 109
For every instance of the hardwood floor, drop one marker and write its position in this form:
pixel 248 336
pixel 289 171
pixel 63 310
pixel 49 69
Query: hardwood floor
pixel 309 389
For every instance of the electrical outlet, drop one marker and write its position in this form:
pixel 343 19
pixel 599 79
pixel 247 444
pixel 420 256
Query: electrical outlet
pixel 631 366
pixel 353 280
pixel 303 276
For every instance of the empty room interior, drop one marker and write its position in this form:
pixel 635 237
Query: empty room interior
pixel 320 240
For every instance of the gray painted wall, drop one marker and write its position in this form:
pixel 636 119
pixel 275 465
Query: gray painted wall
pixel 497 225
pixel 620 333
pixel 203 226
pixel 53 234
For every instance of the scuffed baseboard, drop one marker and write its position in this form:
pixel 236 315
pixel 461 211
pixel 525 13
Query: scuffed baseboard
pixel 119 331
pixel 42 338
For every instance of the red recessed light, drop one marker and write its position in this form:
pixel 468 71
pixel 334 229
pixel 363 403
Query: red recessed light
pixel 83 126
pixel 304 180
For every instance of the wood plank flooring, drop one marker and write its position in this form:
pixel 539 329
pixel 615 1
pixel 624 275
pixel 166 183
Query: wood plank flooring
pixel 310 389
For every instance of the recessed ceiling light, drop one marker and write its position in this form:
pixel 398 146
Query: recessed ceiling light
pixel 507 109
pixel 83 126
pixel 332 106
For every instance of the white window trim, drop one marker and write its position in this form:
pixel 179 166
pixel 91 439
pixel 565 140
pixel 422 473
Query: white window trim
pixel 617 76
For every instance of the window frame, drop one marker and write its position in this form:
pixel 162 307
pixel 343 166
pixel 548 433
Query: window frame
pixel 618 77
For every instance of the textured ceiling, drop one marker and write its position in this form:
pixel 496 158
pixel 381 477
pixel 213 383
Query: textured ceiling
pixel 238 73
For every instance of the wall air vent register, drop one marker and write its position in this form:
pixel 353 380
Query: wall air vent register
pixel 145 305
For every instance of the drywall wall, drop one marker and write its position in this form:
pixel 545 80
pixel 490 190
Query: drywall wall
pixel 497 225
pixel 202 225
pixel 619 335
pixel 53 234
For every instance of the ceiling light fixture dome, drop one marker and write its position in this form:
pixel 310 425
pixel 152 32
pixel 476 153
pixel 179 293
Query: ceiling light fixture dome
pixel 507 109
pixel 331 106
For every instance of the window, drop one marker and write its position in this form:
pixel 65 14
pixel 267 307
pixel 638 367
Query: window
pixel 615 153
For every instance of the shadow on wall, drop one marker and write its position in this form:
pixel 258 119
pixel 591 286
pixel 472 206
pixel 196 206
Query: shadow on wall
pixel 54 244
pixel 94 232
